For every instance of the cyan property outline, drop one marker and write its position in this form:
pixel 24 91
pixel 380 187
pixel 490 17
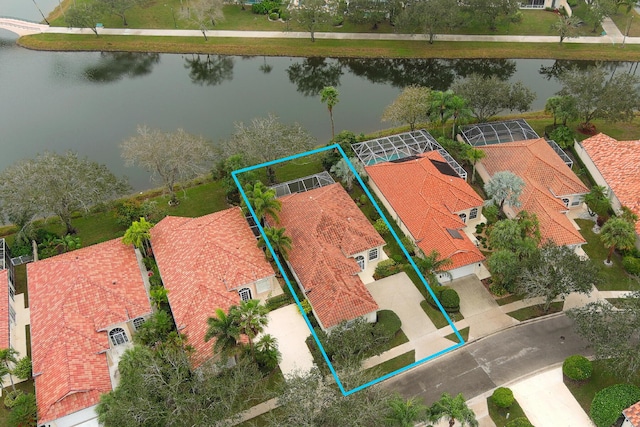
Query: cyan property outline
pixel 461 342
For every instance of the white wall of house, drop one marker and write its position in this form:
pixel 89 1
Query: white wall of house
pixel 371 258
pixel 459 272
pixel 556 4
pixel 472 216
pixel 262 289
pixel 627 423
pixel 84 418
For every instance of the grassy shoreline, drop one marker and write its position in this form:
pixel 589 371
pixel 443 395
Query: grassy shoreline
pixel 329 48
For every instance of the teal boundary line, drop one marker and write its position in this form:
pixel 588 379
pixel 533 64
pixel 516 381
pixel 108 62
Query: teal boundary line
pixel 461 342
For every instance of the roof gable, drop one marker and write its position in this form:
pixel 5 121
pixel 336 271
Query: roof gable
pixel 427 202
pixel 619 163
pixel 74 298
pixel 203 262
pixel 326 229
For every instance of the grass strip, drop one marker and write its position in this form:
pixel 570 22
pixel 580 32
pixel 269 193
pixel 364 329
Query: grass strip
pixel 437 318
pixel 329 48
pixel 464 332
pixel 391 365
pixel 501 416
pixel 534 311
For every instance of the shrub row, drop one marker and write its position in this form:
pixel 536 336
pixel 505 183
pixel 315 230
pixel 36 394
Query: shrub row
pixel 386 268
pixel 388 323
pixel 278 301
pixel 631 264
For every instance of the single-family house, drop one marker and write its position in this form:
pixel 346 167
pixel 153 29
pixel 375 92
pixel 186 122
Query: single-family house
pixel 551 188
pixel 546 4
pixel 332 242
pixel 208 263
pixel 632 416
pixel 85 305
pixel 615 165
pixel 433 206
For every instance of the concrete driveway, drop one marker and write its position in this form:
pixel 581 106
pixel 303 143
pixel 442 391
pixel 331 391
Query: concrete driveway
pixel 287 325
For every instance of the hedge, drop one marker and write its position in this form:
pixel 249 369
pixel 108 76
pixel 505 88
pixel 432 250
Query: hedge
pixel 632 265
pixel 448 297
pixel 386 268
pixel 503 397
pixel 608 403
pixel 519 422
pixel 388 322
pixel 577 367
pixel 278 301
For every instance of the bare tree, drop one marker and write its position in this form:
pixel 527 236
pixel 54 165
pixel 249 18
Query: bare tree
pixel 411 106
pixel 170 157
pixel 205 14
pixel 313 14
pixel 267 139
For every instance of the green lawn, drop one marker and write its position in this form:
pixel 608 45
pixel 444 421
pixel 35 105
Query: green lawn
pixel 464 332
pixel 535 311
pixel 584 391
pixel 621 20
pixel 391 365
pixel 614 278
pixel 509 299
pixel 499 415
pixel 437 317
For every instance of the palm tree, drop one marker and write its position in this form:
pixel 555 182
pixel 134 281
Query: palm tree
pixel 329 95
pixel 405 413
pixel 431 266
pixel 225 330
pixel 251 318
pixel 280 242
pixel 8 357
pixel 138 234
pixel 344 173
pixel 459 111
pixel 617 233
pixel 267 346
pixel 263 201
pixel 597 201
pixel 473 155
pixel 441 105
pixel 453 409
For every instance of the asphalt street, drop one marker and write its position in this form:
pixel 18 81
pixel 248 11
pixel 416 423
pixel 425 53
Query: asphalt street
pixel 493 361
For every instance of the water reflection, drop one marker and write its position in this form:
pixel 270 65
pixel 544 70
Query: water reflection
pixel 113 66
pixel 312 74
pixel 209 70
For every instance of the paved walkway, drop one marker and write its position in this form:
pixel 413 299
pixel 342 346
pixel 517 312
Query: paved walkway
pixel 612 34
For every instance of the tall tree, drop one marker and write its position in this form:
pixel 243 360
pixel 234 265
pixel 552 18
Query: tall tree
pixel 459 112
pixel 251 318
pixel 225 330
pixel 556 272
pixel 344 172
pixel 598 10
pixel 138 235
pixel 561 108
pixel 491 12
pixel 8 360
pixel 169 157
pixel 280 242
pixel 505 187
pixel 412 106
pixel 473 156
pixel 429 17
pixel 598 96
pixel 617 233
pixel 58 184
pixel 487 96
pixel 405 413
pixel 85 15
pixel 263 201
pixel 597 201
pixel 613 333
pixel 566 27
pixel 371 12
pixel 453 409
pixel 312 14
pixel 441 105
pixel 267 139
pixel 204 14
pixel 329 96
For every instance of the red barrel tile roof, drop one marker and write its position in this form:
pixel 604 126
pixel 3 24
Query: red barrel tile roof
pixel 74 298
pixel 633 414
pixel 426 201
pixel 547 179
pixel 618 162
pixel 203 262
pixel 327 228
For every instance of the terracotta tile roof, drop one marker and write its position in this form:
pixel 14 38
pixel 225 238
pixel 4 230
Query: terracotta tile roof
pixel 326 228
pixel 633 414
pixel 4 309
pixel 547 178
pixel 618 162
pixel 426 201
pixel 74 298
pixel 203 262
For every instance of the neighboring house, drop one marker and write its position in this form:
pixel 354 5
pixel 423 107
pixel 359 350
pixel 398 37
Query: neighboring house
pixel 551 188
pixel 614 164
pixel 433 206
pixel 332 241
pixel 85 306
pixel 632 416
pixel 7 297
pixel 208 263
pixel 544 4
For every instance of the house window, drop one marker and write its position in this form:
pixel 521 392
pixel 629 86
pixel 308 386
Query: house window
pixel 245 294
pixel 12 293
pixel 463 217
pixel 360 261
pixel 137 322
pixel 576 202
pixel 373 254
pixel 473 214
pixel 118 336
pixel 566 202
pixel 12 314
pixel 263 285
